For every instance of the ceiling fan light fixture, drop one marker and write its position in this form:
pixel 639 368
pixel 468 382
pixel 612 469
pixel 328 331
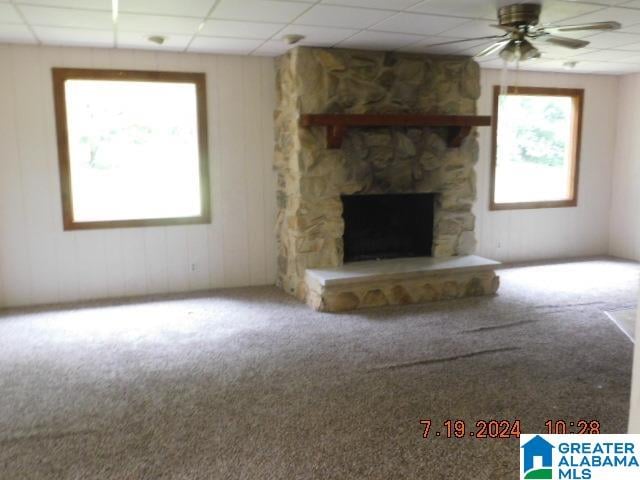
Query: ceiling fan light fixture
pixel 519 50
pixel 510 52
pixel 528 51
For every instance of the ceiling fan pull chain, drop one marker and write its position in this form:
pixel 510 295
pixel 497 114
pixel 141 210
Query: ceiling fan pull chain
pixel 504 78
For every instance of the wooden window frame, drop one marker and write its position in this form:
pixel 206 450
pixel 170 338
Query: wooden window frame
pixel 61 75
pixel 577 96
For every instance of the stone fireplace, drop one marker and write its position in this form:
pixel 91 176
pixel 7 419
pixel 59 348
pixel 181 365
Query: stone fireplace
pixel 404 188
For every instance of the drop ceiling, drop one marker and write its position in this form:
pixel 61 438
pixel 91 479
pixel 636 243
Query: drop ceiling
pixel 256 27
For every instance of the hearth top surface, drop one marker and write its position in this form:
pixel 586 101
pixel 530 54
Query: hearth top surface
pixel 357 272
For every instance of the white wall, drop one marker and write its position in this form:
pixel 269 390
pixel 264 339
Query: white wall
pixel 625 211
pixel 634 414
pixel 39 263
pixel 519 235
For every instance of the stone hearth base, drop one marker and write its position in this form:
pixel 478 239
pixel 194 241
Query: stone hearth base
pixel 399 282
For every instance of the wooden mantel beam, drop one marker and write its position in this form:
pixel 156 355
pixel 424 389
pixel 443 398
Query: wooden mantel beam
pixel 337 124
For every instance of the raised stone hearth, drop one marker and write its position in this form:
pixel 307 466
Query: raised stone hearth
pixel 399 282
pixel 382 160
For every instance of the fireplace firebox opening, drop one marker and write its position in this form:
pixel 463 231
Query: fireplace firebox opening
pixel 387 226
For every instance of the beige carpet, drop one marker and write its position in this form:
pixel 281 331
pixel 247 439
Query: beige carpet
pixel 625 319
pixel 249 384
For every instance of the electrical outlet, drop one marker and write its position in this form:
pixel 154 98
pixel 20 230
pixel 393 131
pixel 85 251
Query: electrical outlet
pixel 194 267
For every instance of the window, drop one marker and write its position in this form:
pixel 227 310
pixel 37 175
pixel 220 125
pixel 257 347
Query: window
pixel 536 147
pixel 132 148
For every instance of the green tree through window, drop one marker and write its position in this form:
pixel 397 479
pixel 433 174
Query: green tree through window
pixel 536 148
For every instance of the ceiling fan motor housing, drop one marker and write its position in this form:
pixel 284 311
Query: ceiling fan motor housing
pixel 519 14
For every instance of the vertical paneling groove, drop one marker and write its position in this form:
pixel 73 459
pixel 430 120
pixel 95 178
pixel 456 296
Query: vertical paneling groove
pixel 233 182
pixel 254 180
pixel 215 233
pixel 39 263
pixel 268 133
pixel 14 258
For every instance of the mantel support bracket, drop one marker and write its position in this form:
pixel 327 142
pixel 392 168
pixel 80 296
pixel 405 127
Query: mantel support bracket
pixel 335 135
pixel 456 135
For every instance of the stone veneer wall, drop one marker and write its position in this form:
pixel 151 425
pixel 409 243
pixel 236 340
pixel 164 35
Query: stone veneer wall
pixel 311 177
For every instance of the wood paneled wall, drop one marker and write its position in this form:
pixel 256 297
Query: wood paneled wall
pixel 625 208
pixel 39 263
pixel 521 235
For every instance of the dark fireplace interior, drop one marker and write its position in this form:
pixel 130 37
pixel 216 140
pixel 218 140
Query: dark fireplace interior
pixel 387 226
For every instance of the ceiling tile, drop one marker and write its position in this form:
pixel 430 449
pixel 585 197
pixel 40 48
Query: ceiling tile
pixel 74 36
pixel 82 4
pixel 630 58
pixel 140 40
pixel 418 24
pixel 273 48
pixel 459 8
pixel 259 10
pixel 185 8
pixel 232 28
pixel 609 68
pixel 347 17
pixel 67 17
pixel 8 14
pixel 467 48
pixel 380 40
pixel 610 3
pixel 625 16
pixel 603 56
pixel 156 24
pixel 432 44
pixel 396 5
pixel 550 50
pixel 12 33
pixel 223 45
pixel 472 29
pixel 556 11
pixel 319 36
pixel 632 47
pixel 611 40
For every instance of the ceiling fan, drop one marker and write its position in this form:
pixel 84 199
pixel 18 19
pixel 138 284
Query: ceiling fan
pixel 520 23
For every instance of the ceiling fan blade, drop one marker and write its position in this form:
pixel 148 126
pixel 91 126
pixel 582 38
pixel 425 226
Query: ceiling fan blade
pixel 565 42
pixel 493 48
pixel 584 26
pixel 492 37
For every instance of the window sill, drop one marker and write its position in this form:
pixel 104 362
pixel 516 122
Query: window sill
pixel 155 222
pixel 532 205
